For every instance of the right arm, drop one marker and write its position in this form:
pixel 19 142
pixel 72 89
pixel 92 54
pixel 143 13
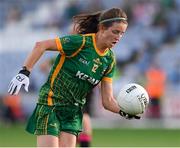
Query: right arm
pixel 68 45
pixel 22 78
pixel 37 52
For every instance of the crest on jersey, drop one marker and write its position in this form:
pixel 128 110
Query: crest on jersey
pixel 97 61
pixel 65 40
pixel 96 64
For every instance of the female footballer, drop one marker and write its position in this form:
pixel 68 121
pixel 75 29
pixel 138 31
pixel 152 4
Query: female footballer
pixel 84 60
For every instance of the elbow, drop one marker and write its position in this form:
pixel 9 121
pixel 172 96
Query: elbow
pixel 39 46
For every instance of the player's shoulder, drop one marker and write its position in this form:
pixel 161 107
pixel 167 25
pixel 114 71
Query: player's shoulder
pixel 72 39
pixel 88 36
pixel 89 39
pixel 75 36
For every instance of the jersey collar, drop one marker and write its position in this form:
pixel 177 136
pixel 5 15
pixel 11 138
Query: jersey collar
pixel 99 52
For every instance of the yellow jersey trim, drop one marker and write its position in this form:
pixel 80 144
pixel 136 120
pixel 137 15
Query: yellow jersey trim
pixel 111 67
pixel 46 122
pixel 50 94
pixel 107 79
pixel 99 52
pixel 88 34
pixel 55 73
pixel 75 53
pixel 59 45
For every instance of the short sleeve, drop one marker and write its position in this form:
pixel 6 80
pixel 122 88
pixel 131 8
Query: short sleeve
pixel 108 76
pixel 70 45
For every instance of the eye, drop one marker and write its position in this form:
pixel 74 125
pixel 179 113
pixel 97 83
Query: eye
pixel 116 32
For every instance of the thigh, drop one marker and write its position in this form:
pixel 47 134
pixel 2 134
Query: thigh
pixel 87 124
pixel 67 140
pixel 47 141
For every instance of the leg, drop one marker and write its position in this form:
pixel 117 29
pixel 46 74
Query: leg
pixel 47 141
pixel 85 136
pixel 87 124
pixel 67 140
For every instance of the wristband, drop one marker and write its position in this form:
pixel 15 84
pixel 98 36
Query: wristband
pixel 25 71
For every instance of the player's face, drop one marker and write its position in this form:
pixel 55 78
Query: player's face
pixel 113 34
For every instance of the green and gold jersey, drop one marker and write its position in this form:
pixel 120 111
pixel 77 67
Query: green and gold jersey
pixel 78 68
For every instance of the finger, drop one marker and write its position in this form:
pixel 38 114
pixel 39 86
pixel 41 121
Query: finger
pixel 26 87
pixel 10 86
pixel 17 90
pixel 137 117
pixel 11 89
pixel 129 117
pixel 14 89
pixel 122 113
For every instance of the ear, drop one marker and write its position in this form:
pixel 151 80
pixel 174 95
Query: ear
pixel 101 27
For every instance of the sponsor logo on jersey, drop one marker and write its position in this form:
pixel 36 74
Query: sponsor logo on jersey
pixel 84 76
pixel 97 61
pixel 84 61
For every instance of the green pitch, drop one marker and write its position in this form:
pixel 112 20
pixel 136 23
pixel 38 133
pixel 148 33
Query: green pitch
pixel 16 136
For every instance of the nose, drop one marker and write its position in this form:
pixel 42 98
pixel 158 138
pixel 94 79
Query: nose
pixel 117 38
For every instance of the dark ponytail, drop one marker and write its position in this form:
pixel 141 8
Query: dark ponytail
pixel 89 23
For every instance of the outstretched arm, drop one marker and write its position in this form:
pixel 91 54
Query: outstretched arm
pixel 22 78
pixel 38 50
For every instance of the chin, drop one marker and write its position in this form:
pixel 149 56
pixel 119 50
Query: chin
pixel 111 46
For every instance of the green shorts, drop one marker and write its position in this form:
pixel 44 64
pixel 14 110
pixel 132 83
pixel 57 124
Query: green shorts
pixel 51 120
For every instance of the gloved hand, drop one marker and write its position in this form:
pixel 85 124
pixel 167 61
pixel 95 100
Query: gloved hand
pixel 128 116
pixel 22 78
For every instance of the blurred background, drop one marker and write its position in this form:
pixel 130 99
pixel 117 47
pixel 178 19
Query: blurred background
pixel 148 54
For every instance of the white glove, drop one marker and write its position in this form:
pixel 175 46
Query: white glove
pixel 16 83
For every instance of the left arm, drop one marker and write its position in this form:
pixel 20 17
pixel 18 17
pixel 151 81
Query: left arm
pixel 108 100
pixel 110 103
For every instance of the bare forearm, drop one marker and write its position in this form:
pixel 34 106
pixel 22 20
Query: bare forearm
pixel 34 56
pixel 108 100
pixel 38 50
pixel 111 105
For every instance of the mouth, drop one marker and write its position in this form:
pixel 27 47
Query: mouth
pixel 113 43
